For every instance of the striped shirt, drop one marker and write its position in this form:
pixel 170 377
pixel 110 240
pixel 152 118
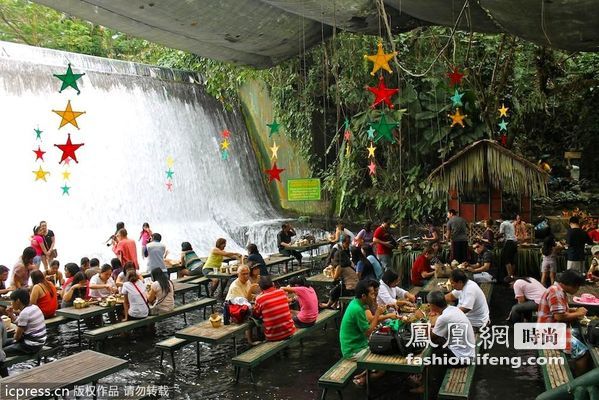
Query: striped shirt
pixel 272 306
pixel 32 321
pixel 554 301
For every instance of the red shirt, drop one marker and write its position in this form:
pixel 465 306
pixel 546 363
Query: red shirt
pixel 381 234
pixel 554 301
pixel 125 250
pixel 594 235
pixel 48 303
pixel 272 306
pixel 421 264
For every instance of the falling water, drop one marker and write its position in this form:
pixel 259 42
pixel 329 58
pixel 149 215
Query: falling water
pixel 135 117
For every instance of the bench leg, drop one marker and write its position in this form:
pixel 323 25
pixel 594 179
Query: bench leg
pixel 185 318
pixel 198 355
pixel 161 357
pixel 252 376
pixel 367 384
pixel 173 360
pixel 235 344
pixel 204 312
pixel 79 331
pixel 323 395
pixel 237 373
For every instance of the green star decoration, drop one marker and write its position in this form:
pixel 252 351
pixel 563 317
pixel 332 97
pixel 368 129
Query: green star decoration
pixel 503 125
pixel 224 154
pixel 346 124
pixel 385 129
pixel 457 98
pixel 38 133
pixel 65 189
pixel 274 128
pixel 69 79
pixel 169 174
pixel 370 132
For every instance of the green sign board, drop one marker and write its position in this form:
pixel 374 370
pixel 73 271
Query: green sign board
pixel 303 189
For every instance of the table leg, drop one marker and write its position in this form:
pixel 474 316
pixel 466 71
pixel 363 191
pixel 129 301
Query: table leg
pixel 367 384
pixel 198 355
pixel 79 331
pixel 95 383
pixel 235 344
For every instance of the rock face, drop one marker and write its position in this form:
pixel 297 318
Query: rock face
pixel 263 33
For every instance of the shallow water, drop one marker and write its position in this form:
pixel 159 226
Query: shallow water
pixel 293 374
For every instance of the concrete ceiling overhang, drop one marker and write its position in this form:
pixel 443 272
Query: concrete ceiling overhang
pixel 263 33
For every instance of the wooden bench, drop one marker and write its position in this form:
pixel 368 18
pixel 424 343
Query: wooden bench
pixel 254 356
pixel 555 374
pixel 170 270
pixel 98 335
pixel 343 302
pixel 289 275
pixel 46 351
pixel 337 377
pixel 171 344
pixel 487 289
pixel 457 381
pixel 55 321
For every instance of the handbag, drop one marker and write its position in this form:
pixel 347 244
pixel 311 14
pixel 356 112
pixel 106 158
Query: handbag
pixel 384 341
pixel 592 336
pixel 237 313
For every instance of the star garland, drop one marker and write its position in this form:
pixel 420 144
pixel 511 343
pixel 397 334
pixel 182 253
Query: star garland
pixel 380 59
pixel 455 80
pixel 224 145
pixel 502 124
pixel 170 163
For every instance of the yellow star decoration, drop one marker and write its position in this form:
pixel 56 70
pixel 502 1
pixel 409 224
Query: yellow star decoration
pixel 371 150
pixel 275 150
pixel 66 175
pixel 380 59
pixel 224 145
pixel 68 116
pixel 347 150
pixel 503 110
pixel 457 118
pixel 170 162
pixel 40 174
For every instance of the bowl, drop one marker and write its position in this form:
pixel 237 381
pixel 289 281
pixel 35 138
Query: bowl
pixel 216 320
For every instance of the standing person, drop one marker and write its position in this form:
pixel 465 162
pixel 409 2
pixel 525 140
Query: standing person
pixel 161 295
pixel 37 242
pixel 520 229
pixel 124 248
pixel 488 237
pixel 136 301
pixel 594 233
pixel 145 236
pixel 191 263
pixel 30 335
pixel 156 252
pixel 284 242
pixel 576 239
pixel 49 242
pixel 421 269
pixel 510 245
pixel 384 243
pixel 365 236
pixel 256 259
pixel 457 233
pixel 549 252
pixel 215 261
pixel 554 307
pixel 43 294
pixel 307 299
pixel 273 308
pixel 471 299
pixel 528 293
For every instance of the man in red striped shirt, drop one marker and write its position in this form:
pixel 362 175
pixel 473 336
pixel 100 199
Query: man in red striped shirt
pixel 272 306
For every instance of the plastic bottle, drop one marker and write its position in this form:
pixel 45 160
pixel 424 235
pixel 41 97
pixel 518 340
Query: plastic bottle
pixel 419 302
pixel 226 316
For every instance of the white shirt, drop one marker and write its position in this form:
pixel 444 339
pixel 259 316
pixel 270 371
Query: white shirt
pixel 455 327
pixel 137 303
pixel 389 295
pixel 95 280
pixel 349 233
pixel 532 290
pixel 473 298
pixel 508 230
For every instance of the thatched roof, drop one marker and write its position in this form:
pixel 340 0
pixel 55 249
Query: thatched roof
pixel 486 163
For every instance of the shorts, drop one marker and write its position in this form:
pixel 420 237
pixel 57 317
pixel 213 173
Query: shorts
pixel 549 264
pixel 358 355
pixel 301 324
pixel 508 253
pixel 197 271
pixel 577 347
pixel 207 271
pixel 37 260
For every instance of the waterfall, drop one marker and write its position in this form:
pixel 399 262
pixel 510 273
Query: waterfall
pixel 135 117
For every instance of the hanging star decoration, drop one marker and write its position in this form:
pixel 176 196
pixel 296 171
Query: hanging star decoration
pixel 382 94
pixel 347 135
pixel 41 174
pixel 384 129
pixel 274 172
pixel 169 173
pixel 346 124
pixel 65 189
pixel 504 140
pixel 69 116
pixel 170 162
pixel 69 79
pixel 224 154
pixel 370 132
pixel 274 128
pixel 38 134
pixel 372 168
pixel 226 133
pixel 68 149
pixel 457 98
pixel 169 186
pixel 457 118
pixel 274 149
pixel 67 161
pixel 347 150
pixel 371 150
pixel 66 175
pixel 455 77
pixel 39 154
pixel 225 144
pixel 380 59
pixel 503 111
pixel 503 125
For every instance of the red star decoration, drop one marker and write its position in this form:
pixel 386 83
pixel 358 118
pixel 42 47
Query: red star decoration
pixel 347 135
pixel 382 93
pixel 169 186
pixel 67 161
pixel 372 168
pixel 226 133
pixel 39 154
pixel 455 77
pixel 274 173
pixel 68 149
pixel 504 140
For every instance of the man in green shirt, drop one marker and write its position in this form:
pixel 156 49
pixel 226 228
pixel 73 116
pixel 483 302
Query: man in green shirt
pixel 355 327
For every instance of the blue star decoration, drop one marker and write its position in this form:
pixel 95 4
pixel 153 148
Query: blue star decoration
pixel 457 98
pixel 224 154
pixel 370 132
pixel 65 190
pixel 274 128
pixel 169 174
pixel 503 125
pixel 38 133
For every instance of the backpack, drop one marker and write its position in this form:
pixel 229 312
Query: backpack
pixel 592 336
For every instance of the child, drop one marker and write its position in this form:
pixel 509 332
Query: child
pixel 54 275
pixel 549 264
pixel 593 273
pixel 145 236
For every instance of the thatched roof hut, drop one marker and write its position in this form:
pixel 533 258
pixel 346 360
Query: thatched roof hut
pixel 486 163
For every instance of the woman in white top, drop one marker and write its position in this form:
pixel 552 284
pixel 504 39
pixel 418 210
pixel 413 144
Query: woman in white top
pixel 136 302
pixel 528 293
pixel 390 294
pixel 102 285
pixel 122 276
